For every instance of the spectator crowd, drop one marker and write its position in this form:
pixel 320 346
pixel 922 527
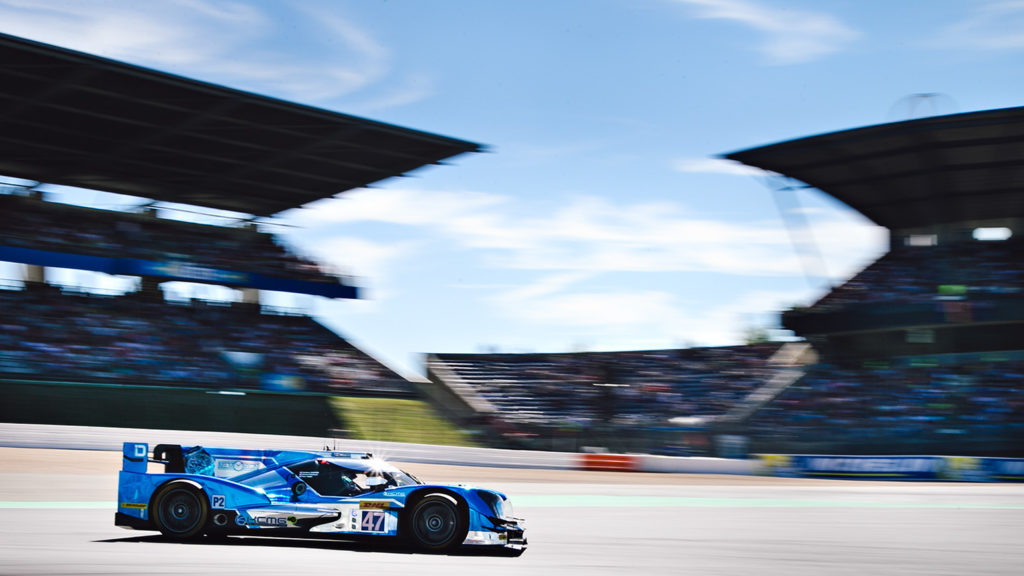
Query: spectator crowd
pixel 974 403
pixel 627 389
pixel 46 334
pixel 33 223
pixel 915 274
pixel 942 403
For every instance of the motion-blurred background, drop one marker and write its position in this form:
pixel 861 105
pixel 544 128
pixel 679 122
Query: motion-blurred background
pixel 919 352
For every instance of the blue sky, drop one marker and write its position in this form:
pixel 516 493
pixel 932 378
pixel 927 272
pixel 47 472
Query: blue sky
pixel 601 217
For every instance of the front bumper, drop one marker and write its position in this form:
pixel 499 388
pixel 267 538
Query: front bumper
pixel 505 533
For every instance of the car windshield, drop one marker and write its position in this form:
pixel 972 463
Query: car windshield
pixel 333 477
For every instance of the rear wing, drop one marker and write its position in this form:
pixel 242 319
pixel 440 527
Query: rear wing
pixel 135 457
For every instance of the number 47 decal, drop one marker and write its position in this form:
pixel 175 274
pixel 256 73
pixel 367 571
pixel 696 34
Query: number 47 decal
pixel 373 521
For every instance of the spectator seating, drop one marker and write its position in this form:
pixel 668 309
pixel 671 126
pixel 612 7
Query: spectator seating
pixel 645 388
pixel 947 402
pixel 49 335
pixel 925 273
pixel 33 223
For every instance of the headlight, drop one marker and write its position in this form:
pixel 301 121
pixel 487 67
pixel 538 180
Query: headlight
pixel 499 508
pixel 506 506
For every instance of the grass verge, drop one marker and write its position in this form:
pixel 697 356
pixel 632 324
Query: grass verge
pixel 396 420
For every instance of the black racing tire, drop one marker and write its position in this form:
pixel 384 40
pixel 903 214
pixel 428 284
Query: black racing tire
pixel 436 524
pixel 180 510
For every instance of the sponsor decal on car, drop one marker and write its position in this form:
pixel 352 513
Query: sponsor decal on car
pixel 133 505
pixel 228 467
pixel 374 505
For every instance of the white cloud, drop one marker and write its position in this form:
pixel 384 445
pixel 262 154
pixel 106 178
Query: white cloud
pixel 791 36
pixel 225 42
pixel 404 206
pixel 365 259
pixel 601 310
pixel 990 26
pixel 410 90
pixel 715 166
pixel 848 245
pixel 550 263
pixel 167 34
pixel 556 301
pixel 592 235
pixel 616 317
pixel 369 264
pixel 546 286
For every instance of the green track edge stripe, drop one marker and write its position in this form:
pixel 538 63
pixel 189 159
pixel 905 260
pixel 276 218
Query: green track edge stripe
pixel 604 501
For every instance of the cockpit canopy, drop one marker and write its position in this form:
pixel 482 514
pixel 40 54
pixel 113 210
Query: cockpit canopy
pixel 349 477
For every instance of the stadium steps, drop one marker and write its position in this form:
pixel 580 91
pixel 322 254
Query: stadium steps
pixel 790 360
pixel 454 382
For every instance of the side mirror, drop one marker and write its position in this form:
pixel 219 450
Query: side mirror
pixel 376 482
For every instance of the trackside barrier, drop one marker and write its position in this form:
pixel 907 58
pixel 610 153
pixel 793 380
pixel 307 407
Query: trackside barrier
pixel 111 439
pixel 608 462
pixel 696 465
pixel 955 468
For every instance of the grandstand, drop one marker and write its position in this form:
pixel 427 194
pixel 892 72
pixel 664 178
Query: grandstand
pixel 73 119
pixel 50 335
pixel 32 229
pixel 630 401
pixel 921 352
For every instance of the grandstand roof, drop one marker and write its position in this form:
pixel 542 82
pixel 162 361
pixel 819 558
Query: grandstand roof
pixel 917 173
pixel 80 120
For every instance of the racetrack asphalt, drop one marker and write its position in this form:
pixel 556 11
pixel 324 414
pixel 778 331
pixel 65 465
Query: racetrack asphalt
pixel 57 508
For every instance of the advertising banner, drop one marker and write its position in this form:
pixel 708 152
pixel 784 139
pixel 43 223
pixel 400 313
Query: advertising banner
pixel 867 467
pixel 969 469
pixel 951 468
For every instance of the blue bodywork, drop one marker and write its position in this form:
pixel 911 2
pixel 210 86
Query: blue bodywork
pixel 293 493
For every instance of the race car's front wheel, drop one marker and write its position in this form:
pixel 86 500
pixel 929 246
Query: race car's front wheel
pixel 180 510
pixel 436 524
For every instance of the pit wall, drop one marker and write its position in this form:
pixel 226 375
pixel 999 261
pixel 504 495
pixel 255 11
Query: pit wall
pixel 928 468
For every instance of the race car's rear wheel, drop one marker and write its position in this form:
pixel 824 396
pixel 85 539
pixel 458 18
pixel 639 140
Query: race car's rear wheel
pixel 436 524
pixel 180 510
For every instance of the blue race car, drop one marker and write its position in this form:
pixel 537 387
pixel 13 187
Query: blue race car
pixel 327 494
